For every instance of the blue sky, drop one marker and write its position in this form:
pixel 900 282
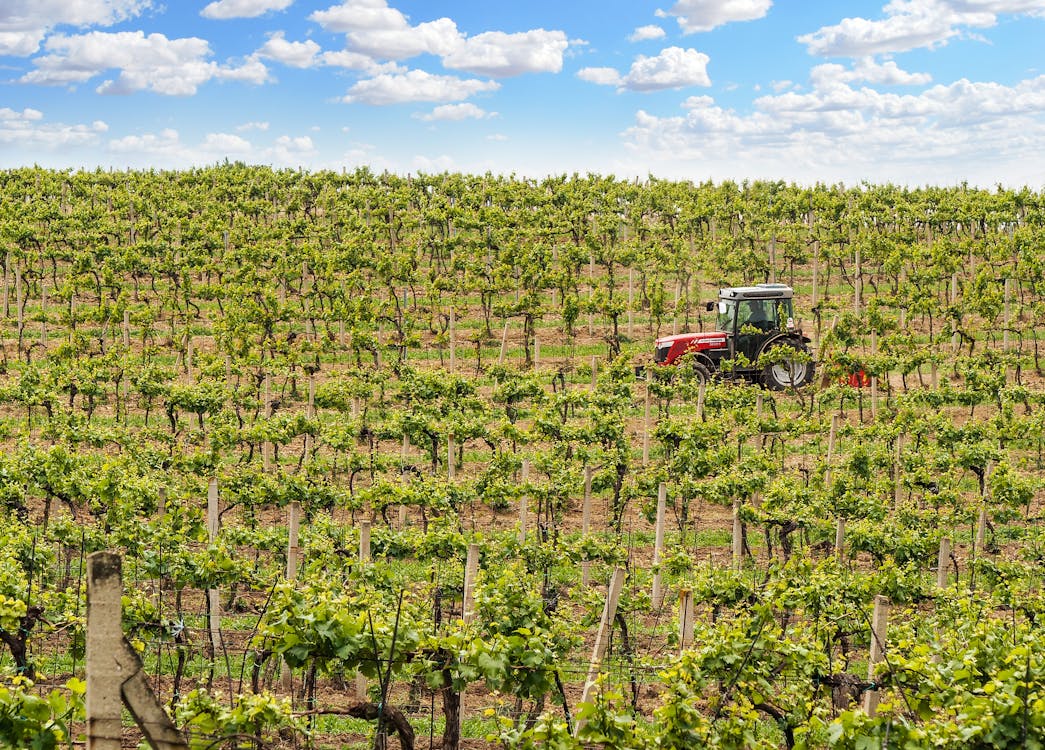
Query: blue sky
pixel 904 91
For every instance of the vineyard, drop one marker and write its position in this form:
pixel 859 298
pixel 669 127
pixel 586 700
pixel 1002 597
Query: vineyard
pixel 381 471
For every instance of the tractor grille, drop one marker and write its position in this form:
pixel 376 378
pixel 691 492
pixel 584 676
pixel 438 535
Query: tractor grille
pixel 661 353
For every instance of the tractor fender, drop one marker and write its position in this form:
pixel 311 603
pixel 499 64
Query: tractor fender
pixel 769 343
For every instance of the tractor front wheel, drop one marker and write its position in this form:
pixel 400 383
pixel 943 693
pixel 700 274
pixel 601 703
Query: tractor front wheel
pixel 788 372
pixel 701 373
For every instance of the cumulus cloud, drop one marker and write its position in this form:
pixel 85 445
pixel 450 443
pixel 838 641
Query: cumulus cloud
pixel 645 33
pixel 497 54
pixel 673 68
pixel 600 76
pixel 376 31
pixel 25 23
pixel 705 15
pixel 842 132
pixel 293 54
pixel 225 9
pixel 28 128
pixel 464 111
pixel 912 24
pixel 416 86
pixel 167 149
pixel 869 71
pixel 175 67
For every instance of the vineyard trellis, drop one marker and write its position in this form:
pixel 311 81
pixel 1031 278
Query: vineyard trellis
pixel 372 449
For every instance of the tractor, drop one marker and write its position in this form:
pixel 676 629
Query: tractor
pixel 756 330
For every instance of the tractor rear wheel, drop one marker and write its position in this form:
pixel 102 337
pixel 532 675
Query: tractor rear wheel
pixel 788 373
pixel 701 373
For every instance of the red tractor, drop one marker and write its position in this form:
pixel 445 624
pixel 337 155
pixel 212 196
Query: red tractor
pixel 755 324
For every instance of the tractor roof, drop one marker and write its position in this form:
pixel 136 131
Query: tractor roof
pixel 759 291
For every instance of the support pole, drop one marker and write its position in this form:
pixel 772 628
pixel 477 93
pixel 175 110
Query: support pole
pixel 657 595
pixel 598 651
pixel 879 624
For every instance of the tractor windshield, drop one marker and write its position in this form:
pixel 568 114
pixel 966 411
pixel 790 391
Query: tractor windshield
pixel 763 314
pixel 727 315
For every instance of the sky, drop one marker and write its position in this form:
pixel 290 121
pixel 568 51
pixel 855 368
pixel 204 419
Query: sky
pixel 912 92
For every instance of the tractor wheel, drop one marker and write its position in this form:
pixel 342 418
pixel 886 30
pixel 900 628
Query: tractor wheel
pixel 788 373
pixel 701 373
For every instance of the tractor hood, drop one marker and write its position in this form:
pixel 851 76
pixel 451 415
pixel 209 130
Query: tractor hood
pixel 670 348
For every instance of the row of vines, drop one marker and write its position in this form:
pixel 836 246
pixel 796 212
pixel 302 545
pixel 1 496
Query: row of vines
pixel 426 365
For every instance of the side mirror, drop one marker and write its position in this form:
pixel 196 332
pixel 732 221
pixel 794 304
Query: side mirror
pixel 709 306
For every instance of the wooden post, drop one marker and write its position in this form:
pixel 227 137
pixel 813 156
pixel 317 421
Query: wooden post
pixel 453 342
pixel 114 669
pixel 524 501
pixel 536 353
pixel 898 472
pixel 631 299
pixel 857 284
pixel 879 624
pixel 645 423
pixel 1007 314
pixel 874 379
pixel 364 559
pixel 943 559
pixel 657 595
pixel 266 409
pixel 981 531
pixel 43 314
pixel 586 523
pixel 840 539
pixel 104 630
pixel 471 570
pixel 7 283
pixel 831 437
pixel 504 344
pixel 213 603
pixel 738 535
pixel 598 651
pixel 685 619
pixel 451 458
pixel 594 373
pixel 701 394
pixel 293 526
pixel 364 542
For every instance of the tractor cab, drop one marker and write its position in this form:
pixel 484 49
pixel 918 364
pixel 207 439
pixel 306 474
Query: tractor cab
pixel 752 321
pixel 752 315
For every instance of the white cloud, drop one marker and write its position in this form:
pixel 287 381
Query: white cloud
pixel 497 54
pixel 416 86
pixel 912 24
pixel 645 33
pixel 497 137
pixel 175 67
pixel 359 15
pixel 673 68
pixel 28 129
pixel 600 76
pixel 256 125
pixel 439 38
pixel 944 133
pixel 868 70
pixel 705 15
pixel 167 149
pixel 464 111
pixel 293 54
pixel 346 59
pixel 224 9
pixel 25 23
pixel 375 31
pixel 290 151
